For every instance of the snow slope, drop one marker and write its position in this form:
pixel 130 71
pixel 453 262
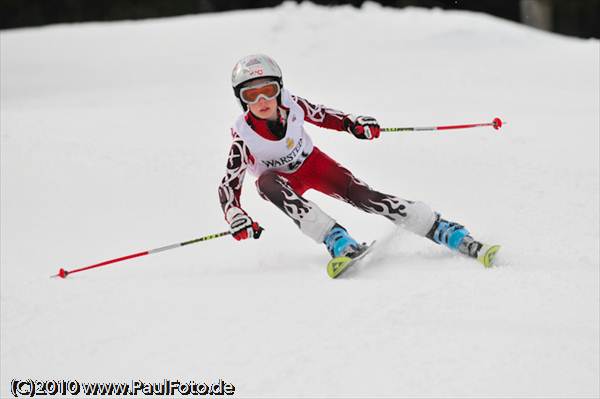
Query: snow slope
pixel 114 139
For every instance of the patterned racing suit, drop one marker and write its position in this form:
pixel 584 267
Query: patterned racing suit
pixel 315 170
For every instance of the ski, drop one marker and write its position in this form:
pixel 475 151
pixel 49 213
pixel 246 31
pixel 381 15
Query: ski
pixel 487 253
pixel 340 264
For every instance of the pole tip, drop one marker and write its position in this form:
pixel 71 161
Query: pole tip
pixel 62 273
pixel 497 123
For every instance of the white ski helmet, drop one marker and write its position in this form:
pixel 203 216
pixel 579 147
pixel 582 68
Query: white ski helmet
pixel 251 67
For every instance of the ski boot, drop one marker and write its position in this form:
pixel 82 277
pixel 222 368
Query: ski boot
pixel 340 243
pixel 457 238
pixel 344 250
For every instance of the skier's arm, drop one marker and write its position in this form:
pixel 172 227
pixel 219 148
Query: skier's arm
pixel 230 190
pixel 362 127
pixel 320 115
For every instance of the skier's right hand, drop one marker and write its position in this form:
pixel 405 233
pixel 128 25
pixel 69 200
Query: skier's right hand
pixel 242 226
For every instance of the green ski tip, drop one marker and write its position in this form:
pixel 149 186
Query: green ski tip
pixel 487 255
pixel 337 265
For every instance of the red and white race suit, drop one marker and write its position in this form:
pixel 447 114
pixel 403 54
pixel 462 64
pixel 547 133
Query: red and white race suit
pixel 282 157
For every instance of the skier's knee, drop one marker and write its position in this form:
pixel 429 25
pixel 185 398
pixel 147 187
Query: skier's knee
pixel 419 218
pixel 268 185
pixel 308 216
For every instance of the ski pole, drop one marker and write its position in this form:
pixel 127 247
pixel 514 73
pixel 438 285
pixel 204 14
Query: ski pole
pixel 496 124
pixel 62 273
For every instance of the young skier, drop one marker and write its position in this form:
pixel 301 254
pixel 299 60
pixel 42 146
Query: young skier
pixel 270 142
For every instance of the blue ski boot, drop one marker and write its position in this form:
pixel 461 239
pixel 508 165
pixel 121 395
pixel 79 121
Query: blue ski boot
pixel 457 238
pixel 339 242
pixel 454 236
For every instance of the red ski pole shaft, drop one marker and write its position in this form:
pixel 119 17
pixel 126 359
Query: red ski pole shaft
pixel 62 273
pixel 496 124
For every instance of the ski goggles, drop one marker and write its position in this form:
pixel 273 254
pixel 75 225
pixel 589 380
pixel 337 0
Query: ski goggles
pixel 268 91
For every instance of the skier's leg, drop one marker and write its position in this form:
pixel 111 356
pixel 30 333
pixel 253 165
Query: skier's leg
pixel 329 177
pixel 311 220
pixel 414 216
pixel 307 215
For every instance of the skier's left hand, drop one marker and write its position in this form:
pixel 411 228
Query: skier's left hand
pixel 362 127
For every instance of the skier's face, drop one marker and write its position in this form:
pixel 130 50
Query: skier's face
pixel 264 109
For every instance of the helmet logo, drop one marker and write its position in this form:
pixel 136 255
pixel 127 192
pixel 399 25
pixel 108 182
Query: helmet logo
pixel 256 72
pixel 290 143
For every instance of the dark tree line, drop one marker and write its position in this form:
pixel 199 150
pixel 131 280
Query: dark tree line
pixel 571 17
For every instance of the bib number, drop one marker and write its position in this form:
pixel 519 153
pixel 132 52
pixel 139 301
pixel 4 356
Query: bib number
pixel 292 166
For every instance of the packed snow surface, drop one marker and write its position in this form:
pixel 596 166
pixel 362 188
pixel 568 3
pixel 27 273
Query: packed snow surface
pixel 115 137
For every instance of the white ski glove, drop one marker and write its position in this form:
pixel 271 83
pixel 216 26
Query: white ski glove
pixel 241 225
